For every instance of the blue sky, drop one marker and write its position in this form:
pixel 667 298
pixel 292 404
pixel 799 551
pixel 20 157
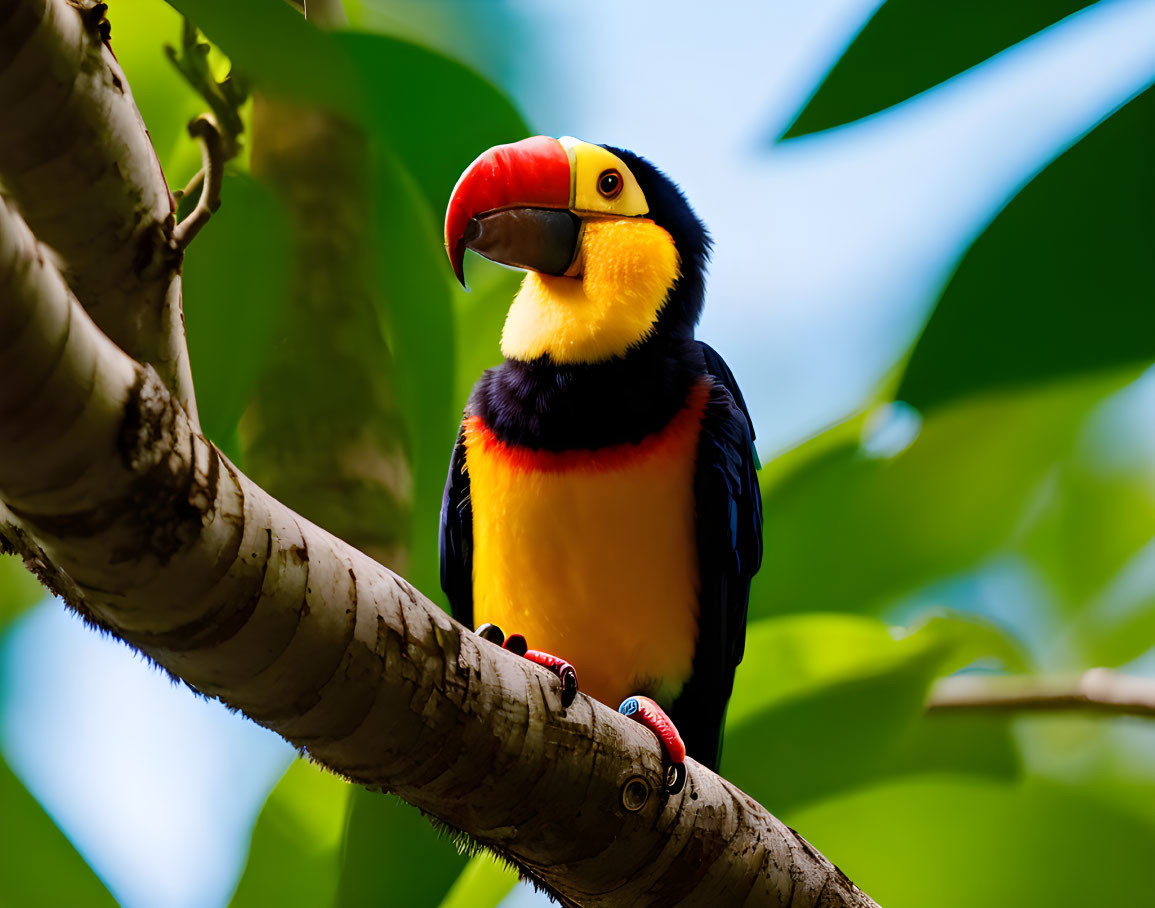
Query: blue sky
pixel 830 251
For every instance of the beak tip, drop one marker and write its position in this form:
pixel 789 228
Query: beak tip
pixel 457 260
pixel 534 172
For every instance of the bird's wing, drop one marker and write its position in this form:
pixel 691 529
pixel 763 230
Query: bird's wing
pixel 729 528
pixel 456 537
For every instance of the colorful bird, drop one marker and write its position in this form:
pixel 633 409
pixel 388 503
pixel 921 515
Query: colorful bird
pixel 602 499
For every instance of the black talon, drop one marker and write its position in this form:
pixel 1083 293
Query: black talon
pixel 675 778
pixel 490 632
pixel 515 643
pixel 569 686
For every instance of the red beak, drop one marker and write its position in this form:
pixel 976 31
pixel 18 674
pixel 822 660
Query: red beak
pixel 532 173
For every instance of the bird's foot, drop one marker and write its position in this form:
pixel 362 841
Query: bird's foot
pixel 649 714
pixel 515 643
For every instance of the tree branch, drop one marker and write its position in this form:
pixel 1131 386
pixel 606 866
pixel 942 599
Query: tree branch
pixel 77 162
pixel 1098 690
pixel 204 129
pixel 126 511
pixel 147 529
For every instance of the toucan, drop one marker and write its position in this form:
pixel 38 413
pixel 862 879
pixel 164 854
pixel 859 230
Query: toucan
pixel 602 500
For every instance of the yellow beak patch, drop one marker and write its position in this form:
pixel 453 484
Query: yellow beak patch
pixel 592 186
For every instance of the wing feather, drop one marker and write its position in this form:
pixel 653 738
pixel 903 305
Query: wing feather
pixel 455 539
pixel 729 529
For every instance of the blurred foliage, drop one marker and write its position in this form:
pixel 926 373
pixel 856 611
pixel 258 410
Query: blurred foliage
pixel 385 840
pixel 140 30
pixel 484 882
pixel 294 856
pixel 278 50
pixel 19 590
pixel 244 257
pixel 38 866
pixel 1060 283
pixel 1033 349
pixel 997 450
pixel 909 46
pixel 965 842
pixel 815 676
pixel 435 149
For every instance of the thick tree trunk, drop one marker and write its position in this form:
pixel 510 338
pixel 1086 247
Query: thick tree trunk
pixel 111 494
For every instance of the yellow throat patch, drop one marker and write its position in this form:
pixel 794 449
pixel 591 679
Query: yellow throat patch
pixel 628 267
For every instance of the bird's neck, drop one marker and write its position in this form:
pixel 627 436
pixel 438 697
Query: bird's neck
pixel 629 267
pixel 542 404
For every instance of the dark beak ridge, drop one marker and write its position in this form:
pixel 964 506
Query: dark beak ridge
pixel 538 239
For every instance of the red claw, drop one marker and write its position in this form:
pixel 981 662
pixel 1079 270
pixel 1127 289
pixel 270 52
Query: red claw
pixel 566 673
pixel 649 714
pixel 516 644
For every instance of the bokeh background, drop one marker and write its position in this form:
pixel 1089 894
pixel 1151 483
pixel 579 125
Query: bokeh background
pixel 934 280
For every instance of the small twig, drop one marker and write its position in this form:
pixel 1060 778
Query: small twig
pixel 205 130
pixel 1098 690
pixel 193 185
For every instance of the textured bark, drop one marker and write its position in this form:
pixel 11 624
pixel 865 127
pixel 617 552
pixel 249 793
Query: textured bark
pixel 77 162
pixel 113 497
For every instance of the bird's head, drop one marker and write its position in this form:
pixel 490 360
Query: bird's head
pixel 614 252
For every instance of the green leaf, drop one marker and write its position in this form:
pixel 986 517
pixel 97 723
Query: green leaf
pixel 1105 637
pixel 19 589
pixel 394 857
pixel 39 868
pixel 795 655
pixel 273 45
pixel 957 744
pixel 849 532
pixel 970 639
pixel 824 703
pixel 1097 522
pixel 958 843
pixel 484 883
pixel 1060 283
pixel 235 279
pixel 1090 540
pixel 436 114
pixel 295 853
pixel 911 45
pixel 844 434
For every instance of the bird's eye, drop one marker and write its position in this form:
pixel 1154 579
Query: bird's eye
pixel 610 184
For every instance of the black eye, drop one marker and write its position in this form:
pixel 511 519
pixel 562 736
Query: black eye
pixel 610 184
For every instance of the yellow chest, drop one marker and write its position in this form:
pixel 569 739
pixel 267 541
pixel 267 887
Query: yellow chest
pixel 592 555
